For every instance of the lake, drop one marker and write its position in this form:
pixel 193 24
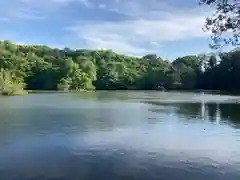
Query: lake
pixel 120 135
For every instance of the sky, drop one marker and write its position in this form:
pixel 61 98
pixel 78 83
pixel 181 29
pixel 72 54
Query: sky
pixel 168 28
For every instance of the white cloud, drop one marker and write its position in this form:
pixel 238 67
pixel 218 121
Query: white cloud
pixel 87 3
pixel 84 2
pixel 155 44
pixel 147 26
pixel 27 13
pixel 139 36
pixel 143 8
pixel 102 6
pixel 38 9
pixel 119 46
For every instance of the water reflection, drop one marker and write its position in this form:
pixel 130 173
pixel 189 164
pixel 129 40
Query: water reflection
pixel 228 113
pixel 119 135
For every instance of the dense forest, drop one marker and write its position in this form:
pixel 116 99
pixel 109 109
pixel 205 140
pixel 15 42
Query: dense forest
pixel 44 68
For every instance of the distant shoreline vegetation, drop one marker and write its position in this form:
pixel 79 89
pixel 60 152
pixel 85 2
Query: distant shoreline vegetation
pixel 10 85
pixel 43 68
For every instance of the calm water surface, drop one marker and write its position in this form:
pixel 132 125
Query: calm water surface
pixel 120 135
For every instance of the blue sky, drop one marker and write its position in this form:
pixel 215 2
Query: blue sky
pixel 169 28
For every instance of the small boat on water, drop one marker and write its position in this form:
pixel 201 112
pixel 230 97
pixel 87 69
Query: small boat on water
pixel 160 87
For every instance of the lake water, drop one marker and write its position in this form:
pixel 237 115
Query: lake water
pixel 120 135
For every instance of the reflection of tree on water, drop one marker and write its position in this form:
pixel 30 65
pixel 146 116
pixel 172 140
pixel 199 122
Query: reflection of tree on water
pixel 213 112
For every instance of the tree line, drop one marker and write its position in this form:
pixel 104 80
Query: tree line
pixel 45 68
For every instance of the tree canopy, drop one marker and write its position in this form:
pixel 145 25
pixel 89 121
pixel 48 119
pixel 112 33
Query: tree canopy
pixel 224 24
pixel 44 68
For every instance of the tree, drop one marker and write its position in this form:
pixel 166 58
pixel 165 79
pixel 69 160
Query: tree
pixel 224 23
pixel 150 57
pixel 212 62
pixel 10 84
pixel 44 68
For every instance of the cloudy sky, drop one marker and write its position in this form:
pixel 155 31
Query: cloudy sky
pixel 169 28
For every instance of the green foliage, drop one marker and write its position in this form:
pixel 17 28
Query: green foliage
pixel 64 84
pixel 10 84
pixel 43 68
pixel 225 21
